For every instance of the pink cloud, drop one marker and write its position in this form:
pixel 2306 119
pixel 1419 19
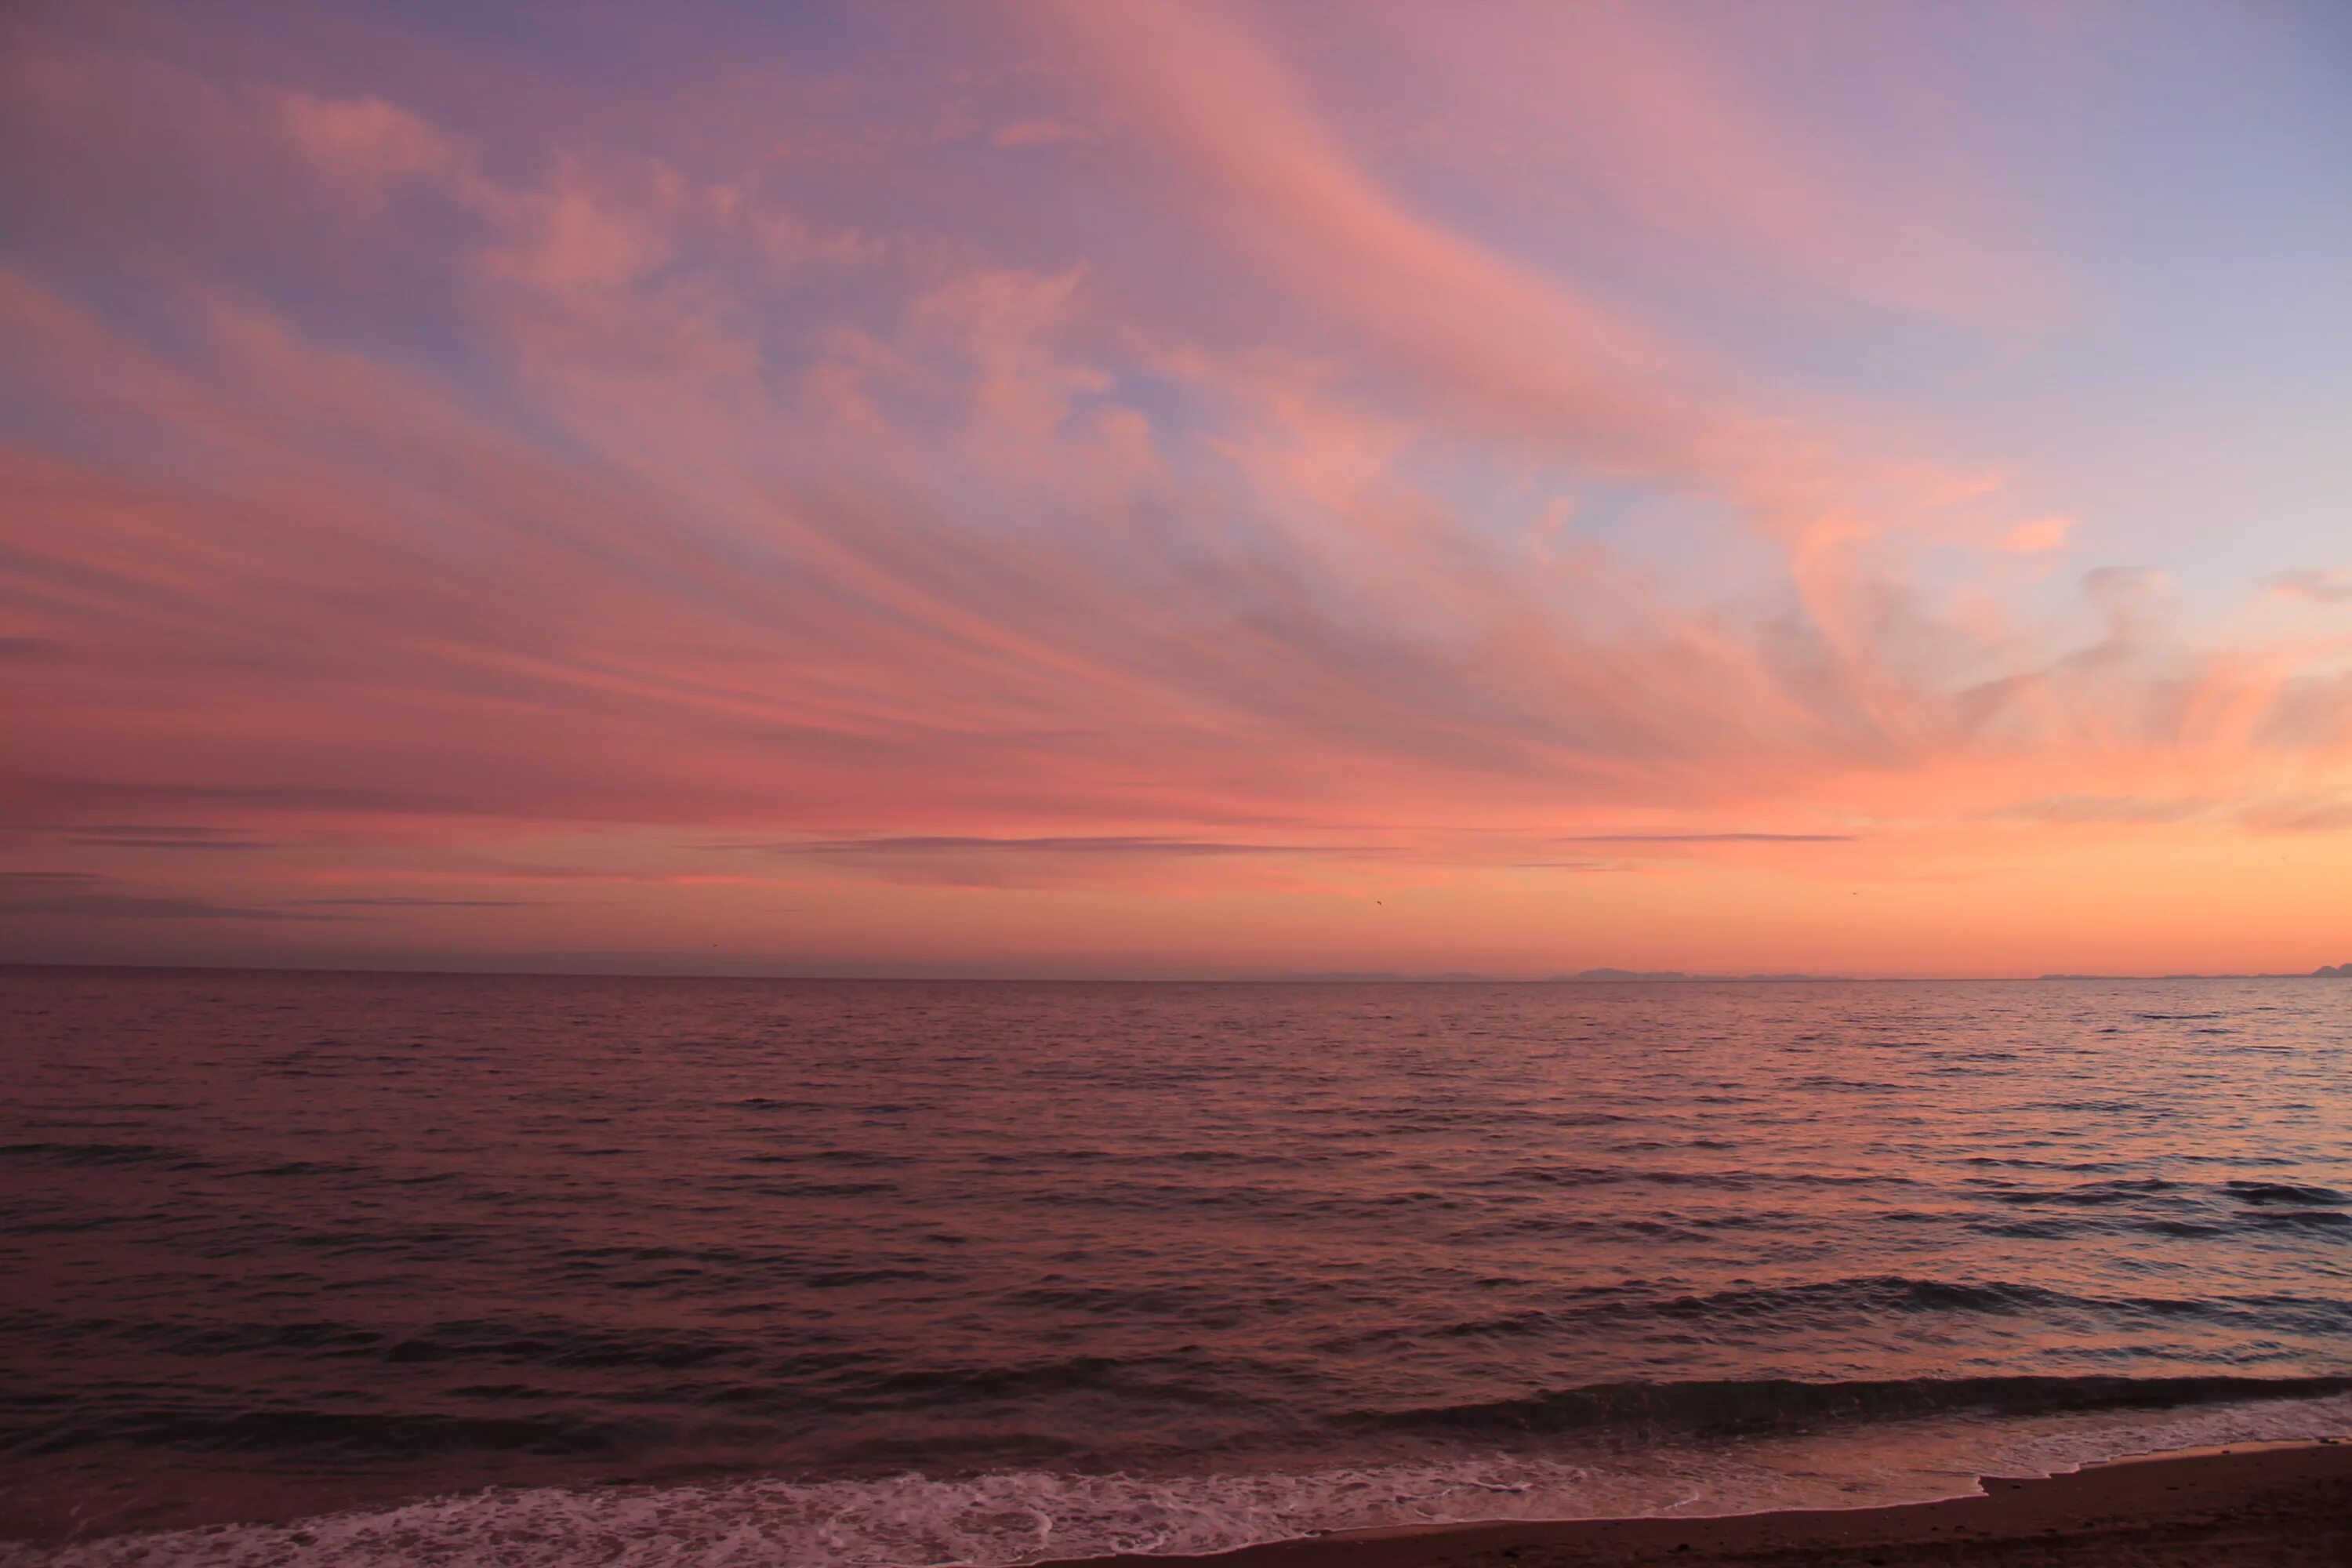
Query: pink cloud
pixel 365 139
pixel 1629 115
pixel 2040 536
pixel 690 512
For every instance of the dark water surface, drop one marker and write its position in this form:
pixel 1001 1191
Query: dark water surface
pixel 909 1272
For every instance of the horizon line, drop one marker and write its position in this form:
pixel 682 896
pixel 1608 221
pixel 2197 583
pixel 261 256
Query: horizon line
pixel 1602 976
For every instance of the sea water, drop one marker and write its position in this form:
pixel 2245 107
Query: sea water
pixel 524 1270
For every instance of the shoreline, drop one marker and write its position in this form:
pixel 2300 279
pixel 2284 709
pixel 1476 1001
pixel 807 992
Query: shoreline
pixel 2257 1505
pixel 2250 1504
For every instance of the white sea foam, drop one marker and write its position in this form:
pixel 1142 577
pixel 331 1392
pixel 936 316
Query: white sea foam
pixel 2062 1446
pixel 998 1520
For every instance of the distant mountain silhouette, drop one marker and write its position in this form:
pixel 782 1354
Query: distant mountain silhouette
pixel 2324 971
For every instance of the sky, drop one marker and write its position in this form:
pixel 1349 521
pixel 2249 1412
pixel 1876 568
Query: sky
pixel 1158 488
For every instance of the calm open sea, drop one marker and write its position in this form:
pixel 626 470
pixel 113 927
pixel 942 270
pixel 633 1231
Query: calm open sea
pixel 374 1268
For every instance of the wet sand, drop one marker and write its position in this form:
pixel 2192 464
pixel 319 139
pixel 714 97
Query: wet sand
pixel 2282 1506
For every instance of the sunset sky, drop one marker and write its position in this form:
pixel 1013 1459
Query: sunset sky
pixel 1166 488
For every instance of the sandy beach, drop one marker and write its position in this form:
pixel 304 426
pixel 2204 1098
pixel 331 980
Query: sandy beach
pixel 2283 1506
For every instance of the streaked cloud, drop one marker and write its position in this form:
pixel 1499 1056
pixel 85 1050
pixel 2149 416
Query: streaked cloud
pixel 1713 838
pixel 2080 808
pixel 1194 458
pixel 2329 587
pixel 136 907
pixel 411 903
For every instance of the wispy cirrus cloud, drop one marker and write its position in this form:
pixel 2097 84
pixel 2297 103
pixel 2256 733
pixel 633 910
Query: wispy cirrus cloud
pixel 412 903
pixel 1713 838
pixel 462 480
pixel 1098 844
pixel 2321 588
pixel 139 907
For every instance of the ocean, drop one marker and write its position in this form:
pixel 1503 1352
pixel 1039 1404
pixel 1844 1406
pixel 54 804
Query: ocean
pixel 370 1269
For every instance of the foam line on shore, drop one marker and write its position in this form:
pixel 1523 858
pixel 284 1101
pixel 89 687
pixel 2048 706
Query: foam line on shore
pixel 2287 1504
pixel 998 1520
